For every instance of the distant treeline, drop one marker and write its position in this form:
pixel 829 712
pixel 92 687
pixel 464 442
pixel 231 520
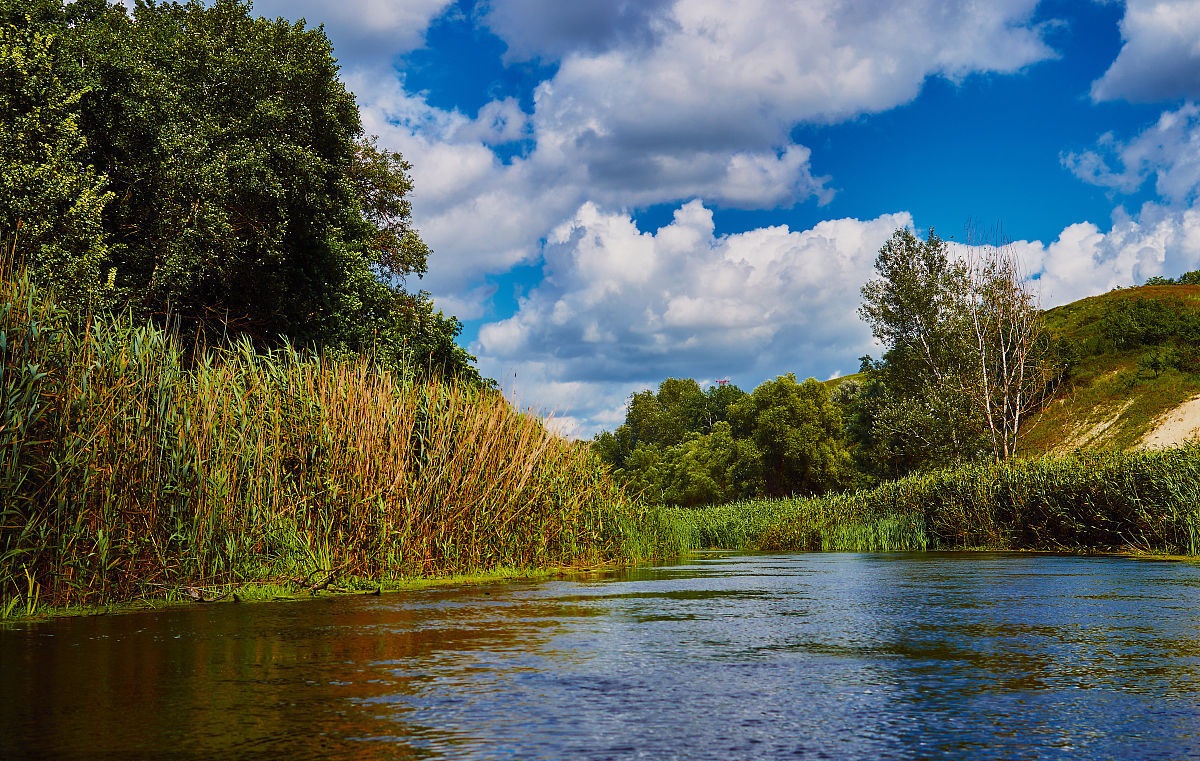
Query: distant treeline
pixel 687 446
pixel 967 359
pixel 1187 278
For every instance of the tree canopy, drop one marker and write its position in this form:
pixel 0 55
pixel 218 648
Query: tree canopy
pixel 966 359
pixel 223 173
pixel 50 201
pixel 966 356
pixel 688 446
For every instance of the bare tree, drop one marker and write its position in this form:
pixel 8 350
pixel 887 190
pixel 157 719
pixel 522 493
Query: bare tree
pixel 967 354
pixel 1011 368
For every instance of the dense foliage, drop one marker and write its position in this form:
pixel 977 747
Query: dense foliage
pixel 686 446
pixel 128 472
pixel 1146 502
pixel 196 163
pixel 967 357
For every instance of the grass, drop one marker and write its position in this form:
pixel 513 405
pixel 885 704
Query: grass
pixel 133 471
pixel 1109 497
pixel 1110 401
pixel 130 472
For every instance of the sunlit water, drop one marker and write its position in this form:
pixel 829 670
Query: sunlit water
pixel 726 657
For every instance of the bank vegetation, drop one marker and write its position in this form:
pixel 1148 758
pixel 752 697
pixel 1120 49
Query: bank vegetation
pixel 134 466
pixel 1142 502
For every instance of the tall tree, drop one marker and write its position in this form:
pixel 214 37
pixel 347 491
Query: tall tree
pixel 966 357
pixel 50 201
pixel 233 182
pixel 667 417
pixel 919 413
pixel 1012 370
pixel 797 428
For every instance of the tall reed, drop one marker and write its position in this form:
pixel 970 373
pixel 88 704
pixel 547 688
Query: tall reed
pixel 125 470
pixel 1147 501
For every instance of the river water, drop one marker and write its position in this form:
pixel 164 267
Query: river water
pixel 724 657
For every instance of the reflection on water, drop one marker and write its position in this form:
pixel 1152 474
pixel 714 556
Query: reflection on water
pixel 837 656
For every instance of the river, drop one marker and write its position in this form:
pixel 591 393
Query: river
pixel 840 656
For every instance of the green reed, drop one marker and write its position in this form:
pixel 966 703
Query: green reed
pixel 129 471
pixel 1144 501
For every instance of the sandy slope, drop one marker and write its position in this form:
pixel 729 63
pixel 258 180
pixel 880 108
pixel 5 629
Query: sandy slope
pixel 1175 427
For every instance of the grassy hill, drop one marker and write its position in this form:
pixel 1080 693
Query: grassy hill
pixel 1135 356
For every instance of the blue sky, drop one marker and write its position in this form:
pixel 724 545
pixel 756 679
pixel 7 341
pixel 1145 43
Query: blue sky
pixel 618 191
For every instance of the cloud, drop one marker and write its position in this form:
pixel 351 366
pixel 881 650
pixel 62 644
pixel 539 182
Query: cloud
pixel 1160 57
pixel 1169 151
pixel 689 102
pixel 497 123
pixel 367 32
pixel 552 29
pixel 713 89
pixel 660 102
pixel 1085 260
pixel 482 215
pixel 619 307
pixel 782 62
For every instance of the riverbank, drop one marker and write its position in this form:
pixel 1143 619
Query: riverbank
pixel 1142 502
pixel 300 591
pixel 133 468
pixel 134 471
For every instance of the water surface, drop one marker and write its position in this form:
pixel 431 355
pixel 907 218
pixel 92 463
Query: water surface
pixel 724 657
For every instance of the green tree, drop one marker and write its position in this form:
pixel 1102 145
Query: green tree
pixel 50 202
pixel 914 309
pixel 966 355
pixel 675 445
pixel 245 194
pixel 797 428
pixel 712 468
pixel 719 397
pixel 667 417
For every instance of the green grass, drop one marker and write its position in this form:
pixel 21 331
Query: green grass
pixel 1109 401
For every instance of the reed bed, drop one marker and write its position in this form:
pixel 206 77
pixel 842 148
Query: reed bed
pixel 131 469
pixel 1145 501
pixel 128 471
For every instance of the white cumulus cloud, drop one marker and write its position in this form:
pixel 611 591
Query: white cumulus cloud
pixel 1160 57
pixel 1169 151
pixel 366 32
pixel 659 102
pixel 1084 260
pixel 704 101
pixel 621 308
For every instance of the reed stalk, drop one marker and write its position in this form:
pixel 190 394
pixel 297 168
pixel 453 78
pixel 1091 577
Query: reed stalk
pixel 128 468
pixel 1141 501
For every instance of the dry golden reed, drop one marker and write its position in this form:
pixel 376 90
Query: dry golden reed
pixel 125 472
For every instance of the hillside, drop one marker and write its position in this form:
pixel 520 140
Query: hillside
pixel 1135 380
